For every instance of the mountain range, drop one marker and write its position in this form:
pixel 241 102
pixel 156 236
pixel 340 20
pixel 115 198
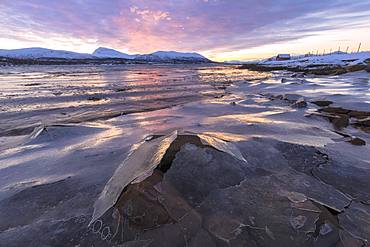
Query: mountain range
pixel 100 54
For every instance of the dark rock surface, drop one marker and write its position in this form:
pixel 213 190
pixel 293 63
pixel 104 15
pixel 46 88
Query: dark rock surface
pixel 207 197
pixel 322 103
pixel 314 70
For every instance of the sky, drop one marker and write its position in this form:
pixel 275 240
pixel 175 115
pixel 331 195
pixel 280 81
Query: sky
pixel 219 29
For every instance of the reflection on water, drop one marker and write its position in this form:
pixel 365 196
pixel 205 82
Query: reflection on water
pixel 23 82
pixel 45 93
pixel 247 118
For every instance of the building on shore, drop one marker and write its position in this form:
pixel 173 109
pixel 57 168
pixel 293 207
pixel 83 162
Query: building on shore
pixel 282 57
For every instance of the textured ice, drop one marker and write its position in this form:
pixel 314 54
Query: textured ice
pixel 138 165
pixel 145 157
pixel 304 183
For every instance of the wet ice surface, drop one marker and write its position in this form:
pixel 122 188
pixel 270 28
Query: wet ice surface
pixel 301 184
pixel 73 94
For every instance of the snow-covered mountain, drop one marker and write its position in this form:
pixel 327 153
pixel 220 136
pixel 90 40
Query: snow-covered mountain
pixel 173 55
pixel 160 56
pixel 103 52
pixel 33 53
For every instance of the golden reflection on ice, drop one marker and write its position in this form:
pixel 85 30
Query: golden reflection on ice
pixel 109 133
pixel 24 157
pixel 230 74
pixel 247 118
pixel 226 136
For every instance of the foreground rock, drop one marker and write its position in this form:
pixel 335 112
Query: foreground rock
pixel 205 197
pixel 294 100
pixel 341 117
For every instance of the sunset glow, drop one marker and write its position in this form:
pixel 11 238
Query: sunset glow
pixel 220 29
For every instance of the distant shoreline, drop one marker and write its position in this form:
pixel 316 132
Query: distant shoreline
pixel 6 61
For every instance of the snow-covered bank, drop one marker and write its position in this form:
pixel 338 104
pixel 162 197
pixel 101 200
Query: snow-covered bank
pixel 336 63
pixel 342 59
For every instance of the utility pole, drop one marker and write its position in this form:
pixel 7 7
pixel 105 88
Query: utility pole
pixel 359 46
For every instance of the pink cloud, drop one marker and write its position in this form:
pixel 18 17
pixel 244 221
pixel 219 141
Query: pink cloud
pixel 145 26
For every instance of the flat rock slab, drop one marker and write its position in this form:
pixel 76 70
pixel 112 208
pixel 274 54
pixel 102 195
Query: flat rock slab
pixel 352 180
pixel 209 198
pixel 356 219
